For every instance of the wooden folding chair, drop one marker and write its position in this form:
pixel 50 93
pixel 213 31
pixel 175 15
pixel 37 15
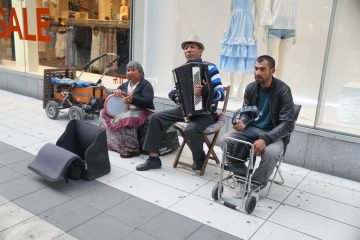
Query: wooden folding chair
pixel 212 130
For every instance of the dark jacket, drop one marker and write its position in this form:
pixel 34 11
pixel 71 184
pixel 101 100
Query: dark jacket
pixel 143 95
pixel 281 107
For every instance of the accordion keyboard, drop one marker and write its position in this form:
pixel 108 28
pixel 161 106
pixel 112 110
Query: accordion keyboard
pixel 197 81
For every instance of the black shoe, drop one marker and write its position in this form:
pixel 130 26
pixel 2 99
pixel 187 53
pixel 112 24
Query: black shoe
pixel 198 163
pixel 150 163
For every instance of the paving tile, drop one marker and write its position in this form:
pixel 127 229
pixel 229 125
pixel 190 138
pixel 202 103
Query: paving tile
pixel 35 148
pixel 42 200
pixel 114 174
pixel 20 187
pixel 313 224
pixel 206 232
pixel 173 226
pixel 218 216
pixel 103 197
pixel 101 227
pixel 69 215
pixel 325 207
pixel 43 132
pixel 22 166
pixel 14 156
pixel 3 200
pixel 11 214
pixel 278 192
pixel 177 179
pixel 75 188
pixel 341 182
pixel 128 164
pixel 6 148
pixel 294 169
pixel 291 179
pixel 149 190
pixel 138 235
pixel 33 228
pixel 14 122
pixel 328 190
pixel 272 231
pixel 18 139
pixel 65 236
pixel 134 211
pixel 7 174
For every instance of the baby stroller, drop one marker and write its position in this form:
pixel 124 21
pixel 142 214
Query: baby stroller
pixel 239 180
pixel 63 89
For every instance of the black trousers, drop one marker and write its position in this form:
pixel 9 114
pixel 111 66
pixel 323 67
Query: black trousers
pixel 161 121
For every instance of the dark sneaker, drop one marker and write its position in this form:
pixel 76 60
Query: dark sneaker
pixel 150 163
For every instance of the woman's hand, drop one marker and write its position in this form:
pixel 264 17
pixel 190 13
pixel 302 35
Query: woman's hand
pixel 128 99
pixel 118 93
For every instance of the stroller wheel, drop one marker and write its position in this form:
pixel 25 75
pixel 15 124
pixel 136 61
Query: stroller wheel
pixel 250 204
pixel 52 109
pixel 76 112
pixel 215 192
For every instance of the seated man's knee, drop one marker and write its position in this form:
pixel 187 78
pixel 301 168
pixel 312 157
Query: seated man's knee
pixel 191 130
pixel 271 154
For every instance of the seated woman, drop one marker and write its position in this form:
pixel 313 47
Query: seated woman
pixel 122 129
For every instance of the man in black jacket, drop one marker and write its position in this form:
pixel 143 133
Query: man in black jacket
pixel 273 99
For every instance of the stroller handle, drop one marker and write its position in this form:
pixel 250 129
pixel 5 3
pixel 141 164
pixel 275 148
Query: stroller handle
pixel 99 57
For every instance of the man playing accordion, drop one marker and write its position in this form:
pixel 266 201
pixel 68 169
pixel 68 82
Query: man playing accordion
pixel 161 121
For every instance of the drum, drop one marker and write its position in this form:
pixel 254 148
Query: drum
pixel 114 105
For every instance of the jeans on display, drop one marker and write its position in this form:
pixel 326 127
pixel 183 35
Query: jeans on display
pixel 282 33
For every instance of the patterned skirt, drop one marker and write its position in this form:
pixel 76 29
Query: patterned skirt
pixel 122 137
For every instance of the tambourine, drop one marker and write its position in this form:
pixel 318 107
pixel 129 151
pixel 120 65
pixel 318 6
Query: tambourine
pixel 114 105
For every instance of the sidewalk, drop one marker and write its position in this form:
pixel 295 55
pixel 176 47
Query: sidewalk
pixel 166 203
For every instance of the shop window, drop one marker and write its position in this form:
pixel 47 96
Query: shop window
pixel 82 30
pixel 340 109
pixel 8 53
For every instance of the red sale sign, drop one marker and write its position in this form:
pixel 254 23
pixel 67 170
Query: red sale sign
pixel 12 26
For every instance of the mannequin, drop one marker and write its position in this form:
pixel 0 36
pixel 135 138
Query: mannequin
pixel 124 11
pixel 279 18
pixel 238 45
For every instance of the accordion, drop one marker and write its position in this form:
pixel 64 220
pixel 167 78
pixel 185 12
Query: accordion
pixel 186 77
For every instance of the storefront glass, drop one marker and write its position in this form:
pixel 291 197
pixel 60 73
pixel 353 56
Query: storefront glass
pixel 339 109
pixel 11 46
pixel 80 30
pixel 302 61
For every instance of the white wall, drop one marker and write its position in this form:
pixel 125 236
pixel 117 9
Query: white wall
pixel 166 25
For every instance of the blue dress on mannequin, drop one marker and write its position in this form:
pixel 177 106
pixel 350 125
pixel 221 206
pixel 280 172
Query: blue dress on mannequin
pixel 238 46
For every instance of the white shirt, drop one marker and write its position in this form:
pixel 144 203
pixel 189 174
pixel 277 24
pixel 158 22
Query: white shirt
pixel 130 88
pixel 279 14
